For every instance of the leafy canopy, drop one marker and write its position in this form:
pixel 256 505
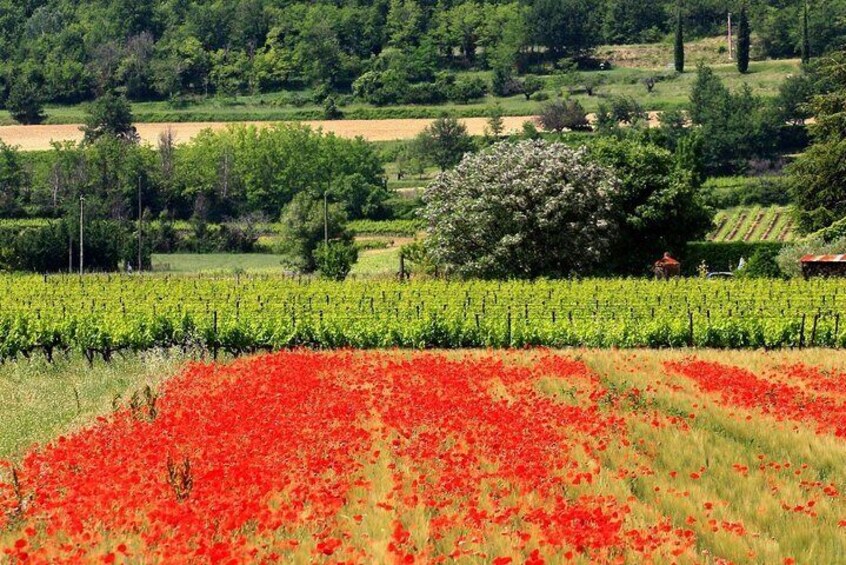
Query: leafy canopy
pixel 523 210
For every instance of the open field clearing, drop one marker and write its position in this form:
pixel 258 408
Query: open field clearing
pixel 509 457
pixel 39 138
pixel 398 122
pixel 222 263
pixel 104 315
pixel 373 262
pixel 155 117
pixel 709 50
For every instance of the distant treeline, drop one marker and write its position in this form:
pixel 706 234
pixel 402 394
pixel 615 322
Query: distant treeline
pixel 69 51
pixel 241 172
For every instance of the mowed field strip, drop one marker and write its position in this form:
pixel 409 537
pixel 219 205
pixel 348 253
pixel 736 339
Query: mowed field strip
pixel 39 138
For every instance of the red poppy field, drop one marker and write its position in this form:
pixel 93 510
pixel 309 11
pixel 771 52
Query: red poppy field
pixel 498 457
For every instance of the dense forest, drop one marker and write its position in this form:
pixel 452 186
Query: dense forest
pixel 69 51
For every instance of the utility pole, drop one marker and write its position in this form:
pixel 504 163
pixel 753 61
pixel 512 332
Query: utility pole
pixel 81 234
pixel 326 217
pixel 806 42
pixel 139 223
pixel 730 39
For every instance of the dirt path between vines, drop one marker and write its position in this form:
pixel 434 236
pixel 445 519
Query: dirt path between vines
pixel 37 138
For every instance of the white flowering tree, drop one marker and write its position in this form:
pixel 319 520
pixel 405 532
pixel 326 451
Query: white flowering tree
pixel 522 210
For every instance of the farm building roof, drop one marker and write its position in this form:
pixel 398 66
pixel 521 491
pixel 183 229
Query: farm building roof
pixel 824 259
pixel 667 260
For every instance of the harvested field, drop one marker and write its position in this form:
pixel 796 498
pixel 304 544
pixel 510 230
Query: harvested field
pixel 38 138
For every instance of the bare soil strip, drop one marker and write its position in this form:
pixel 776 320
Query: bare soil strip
pixel 38 138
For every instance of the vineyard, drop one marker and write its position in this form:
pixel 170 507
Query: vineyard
pixel 753 223
pixel 103 315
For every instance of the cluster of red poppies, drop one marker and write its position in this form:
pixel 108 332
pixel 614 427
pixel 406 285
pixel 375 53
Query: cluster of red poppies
pixel 428 456
pixel 799 394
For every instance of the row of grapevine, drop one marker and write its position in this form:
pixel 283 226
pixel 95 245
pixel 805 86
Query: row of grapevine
pixel 753 224
pixel 104 314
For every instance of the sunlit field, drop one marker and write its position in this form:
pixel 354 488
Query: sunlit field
pixel 481 457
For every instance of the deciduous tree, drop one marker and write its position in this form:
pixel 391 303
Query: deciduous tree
pixel 525 210
pixel 444 142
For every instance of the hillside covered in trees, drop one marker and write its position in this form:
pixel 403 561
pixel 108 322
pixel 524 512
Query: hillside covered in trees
pixel 68 51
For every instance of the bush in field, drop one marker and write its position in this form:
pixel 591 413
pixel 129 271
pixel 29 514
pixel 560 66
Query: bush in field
pixel 564 114
pixel 335 260
pixel 503 83
pixel 25 103
pixel 627 110
pixel 109 115
pixel 331 110
pixel 531 85
pixel 524 210
pixel 304 230
pixel 444 142
pixel 762 265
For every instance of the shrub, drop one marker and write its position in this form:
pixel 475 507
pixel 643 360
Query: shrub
pixel 423 93
pixel 831 233
pixel 331 110
pixel 444 142
pixel 381 88
pixel 304 228
pixel 564 114
pixel 504 84
pixel 25 103
pixel 466 90
pixel 531 85
pixel 109 115
pixel 626 110
pixel 530 131
pixel 724 256
pixel 335 259
pixel 762 264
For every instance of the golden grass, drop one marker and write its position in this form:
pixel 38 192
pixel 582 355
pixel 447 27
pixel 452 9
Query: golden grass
pixel 39 138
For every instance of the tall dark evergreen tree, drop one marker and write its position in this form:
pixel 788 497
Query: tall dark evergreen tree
pixel 678 54
pixel 806 40
pixel 743 41
pixel 25 103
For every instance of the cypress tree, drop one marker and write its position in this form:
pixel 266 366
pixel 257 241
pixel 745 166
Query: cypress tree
pixel 678 54
pixel 806 41
pixel 743 41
